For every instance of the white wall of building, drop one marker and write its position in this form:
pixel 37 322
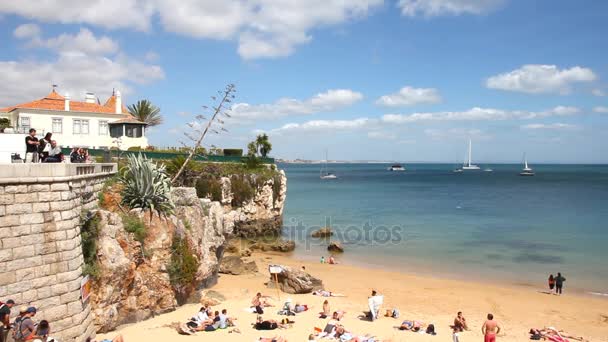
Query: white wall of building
pixel 74 129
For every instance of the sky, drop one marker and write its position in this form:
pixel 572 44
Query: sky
pixel 394 80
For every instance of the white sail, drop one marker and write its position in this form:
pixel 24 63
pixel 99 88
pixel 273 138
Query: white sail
pixel 468 164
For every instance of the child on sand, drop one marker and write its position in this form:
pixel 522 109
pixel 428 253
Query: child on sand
pixel 326 310
pixel 551 282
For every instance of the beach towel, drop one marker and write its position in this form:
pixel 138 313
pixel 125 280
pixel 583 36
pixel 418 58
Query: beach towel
pixel 374 303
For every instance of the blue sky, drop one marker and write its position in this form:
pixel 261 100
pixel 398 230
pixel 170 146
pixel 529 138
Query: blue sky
pixel 404 80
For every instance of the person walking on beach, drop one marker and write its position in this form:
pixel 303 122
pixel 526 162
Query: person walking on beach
pixel 559 283
pixel 490 329
pixel 551 283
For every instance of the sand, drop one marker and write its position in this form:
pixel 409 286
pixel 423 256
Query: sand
pixel 516 308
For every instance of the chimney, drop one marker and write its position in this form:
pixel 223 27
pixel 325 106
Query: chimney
pixel 118 102
pixel 67 102
pixel 89 98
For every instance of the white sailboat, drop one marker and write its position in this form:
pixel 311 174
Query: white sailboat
pixel 468 166
pixel 324 173
pixel 527 171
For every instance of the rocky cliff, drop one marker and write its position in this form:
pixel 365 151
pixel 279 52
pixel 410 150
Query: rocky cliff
pixel 134 280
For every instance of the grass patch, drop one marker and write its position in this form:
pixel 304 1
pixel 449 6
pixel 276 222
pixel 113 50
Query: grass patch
pixel 208 187
pixel 184 265
pixel 136 226
pixel 89 233
pixel 242 189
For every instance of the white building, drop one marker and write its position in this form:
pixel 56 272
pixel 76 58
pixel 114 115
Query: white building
pixel 79 124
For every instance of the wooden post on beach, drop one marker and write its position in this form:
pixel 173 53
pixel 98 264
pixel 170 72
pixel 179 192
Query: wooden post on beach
pixel 276 283
pixel 275 270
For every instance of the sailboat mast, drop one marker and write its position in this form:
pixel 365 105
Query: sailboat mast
pixel 469 152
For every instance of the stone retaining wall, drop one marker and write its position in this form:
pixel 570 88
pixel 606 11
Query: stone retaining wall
pixel 40 246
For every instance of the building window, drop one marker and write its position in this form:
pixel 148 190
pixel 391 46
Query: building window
pixel 80 126
pixel 133 131
pixel 103 128
pixel 24 122
pixel 57 125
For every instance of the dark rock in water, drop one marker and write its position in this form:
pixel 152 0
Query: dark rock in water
pixel 335 247
pixel 322 233
pixel 295 281
pixel 275 246
pixel 233 264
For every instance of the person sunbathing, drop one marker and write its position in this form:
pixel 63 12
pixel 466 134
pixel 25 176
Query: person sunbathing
pixel 460 323
pixel 272 339
pixel 260 300
pixel 338 315
pixel 414 326
pixel 324 293
pixel 326 310
pixel 269 324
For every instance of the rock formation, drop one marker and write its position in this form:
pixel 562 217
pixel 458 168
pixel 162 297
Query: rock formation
pixel 233 264
pixel 295 281
pixel 335 247
pixel 133 281
pixel 322 233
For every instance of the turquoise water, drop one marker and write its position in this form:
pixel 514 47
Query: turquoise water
pixel 494 226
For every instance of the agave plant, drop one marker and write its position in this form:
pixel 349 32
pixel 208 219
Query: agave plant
pixel 146 185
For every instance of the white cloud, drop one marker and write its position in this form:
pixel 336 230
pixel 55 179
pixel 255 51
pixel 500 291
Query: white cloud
pixel 408 96
pixel 479 114
pixel 456 134
pixel 110 14
pixel 262 28
pixel 600 109
pixel 537 79
pixel 27 31
pixel 554 126
pixel 431 8
pixel 83 43
pixel 328 101
pixel 84 68
pixel 380 135
pixel 598 92
pixel 323 125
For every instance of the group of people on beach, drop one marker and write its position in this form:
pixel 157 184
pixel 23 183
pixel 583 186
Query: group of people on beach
pixel 556 282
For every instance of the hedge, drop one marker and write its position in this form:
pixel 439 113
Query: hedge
pixel 233 152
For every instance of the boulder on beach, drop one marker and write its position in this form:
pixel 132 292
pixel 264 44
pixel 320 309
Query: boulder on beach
pixel 295 281
pixel 211 298
pixel 233 264
pixel 335 247
pixel 275 246
pixel 322 233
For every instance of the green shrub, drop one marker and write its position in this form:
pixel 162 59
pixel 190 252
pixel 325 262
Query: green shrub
pixel 276 188
pixel 238 152
pixel 89 233
pixel 134 148
pixel 188 176
pixel 146 185
pixel 208 187
pixel 252 162
pixel 242 190
pixel 134 225
pixel 184 265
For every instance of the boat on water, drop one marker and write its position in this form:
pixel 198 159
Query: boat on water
pixel 468 165
pixel 324 172
pixel 527 170
pixel 396 167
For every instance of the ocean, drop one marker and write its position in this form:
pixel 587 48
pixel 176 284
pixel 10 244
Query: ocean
pixel 489 226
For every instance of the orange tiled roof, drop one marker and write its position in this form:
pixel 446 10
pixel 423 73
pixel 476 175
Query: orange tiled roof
pixel 54 101
pixel 111 103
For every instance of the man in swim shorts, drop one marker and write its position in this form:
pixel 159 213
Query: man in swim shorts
pixel 490 329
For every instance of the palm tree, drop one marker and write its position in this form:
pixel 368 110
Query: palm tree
pixel 145 111
pixel 263 144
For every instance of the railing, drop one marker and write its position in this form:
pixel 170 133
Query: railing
pixel 169 155
pixel 90 169
pixel 33 172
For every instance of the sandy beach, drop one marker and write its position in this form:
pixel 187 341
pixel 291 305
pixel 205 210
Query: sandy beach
pixel 434 300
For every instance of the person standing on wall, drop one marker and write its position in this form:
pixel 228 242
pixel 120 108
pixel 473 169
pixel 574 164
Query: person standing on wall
pixel 31 147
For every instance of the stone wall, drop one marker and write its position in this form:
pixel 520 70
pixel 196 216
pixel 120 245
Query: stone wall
pixel 40 247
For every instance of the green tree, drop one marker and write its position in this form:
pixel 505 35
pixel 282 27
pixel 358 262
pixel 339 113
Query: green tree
pixel 263 144
pixel 252 149
pixel 145 111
